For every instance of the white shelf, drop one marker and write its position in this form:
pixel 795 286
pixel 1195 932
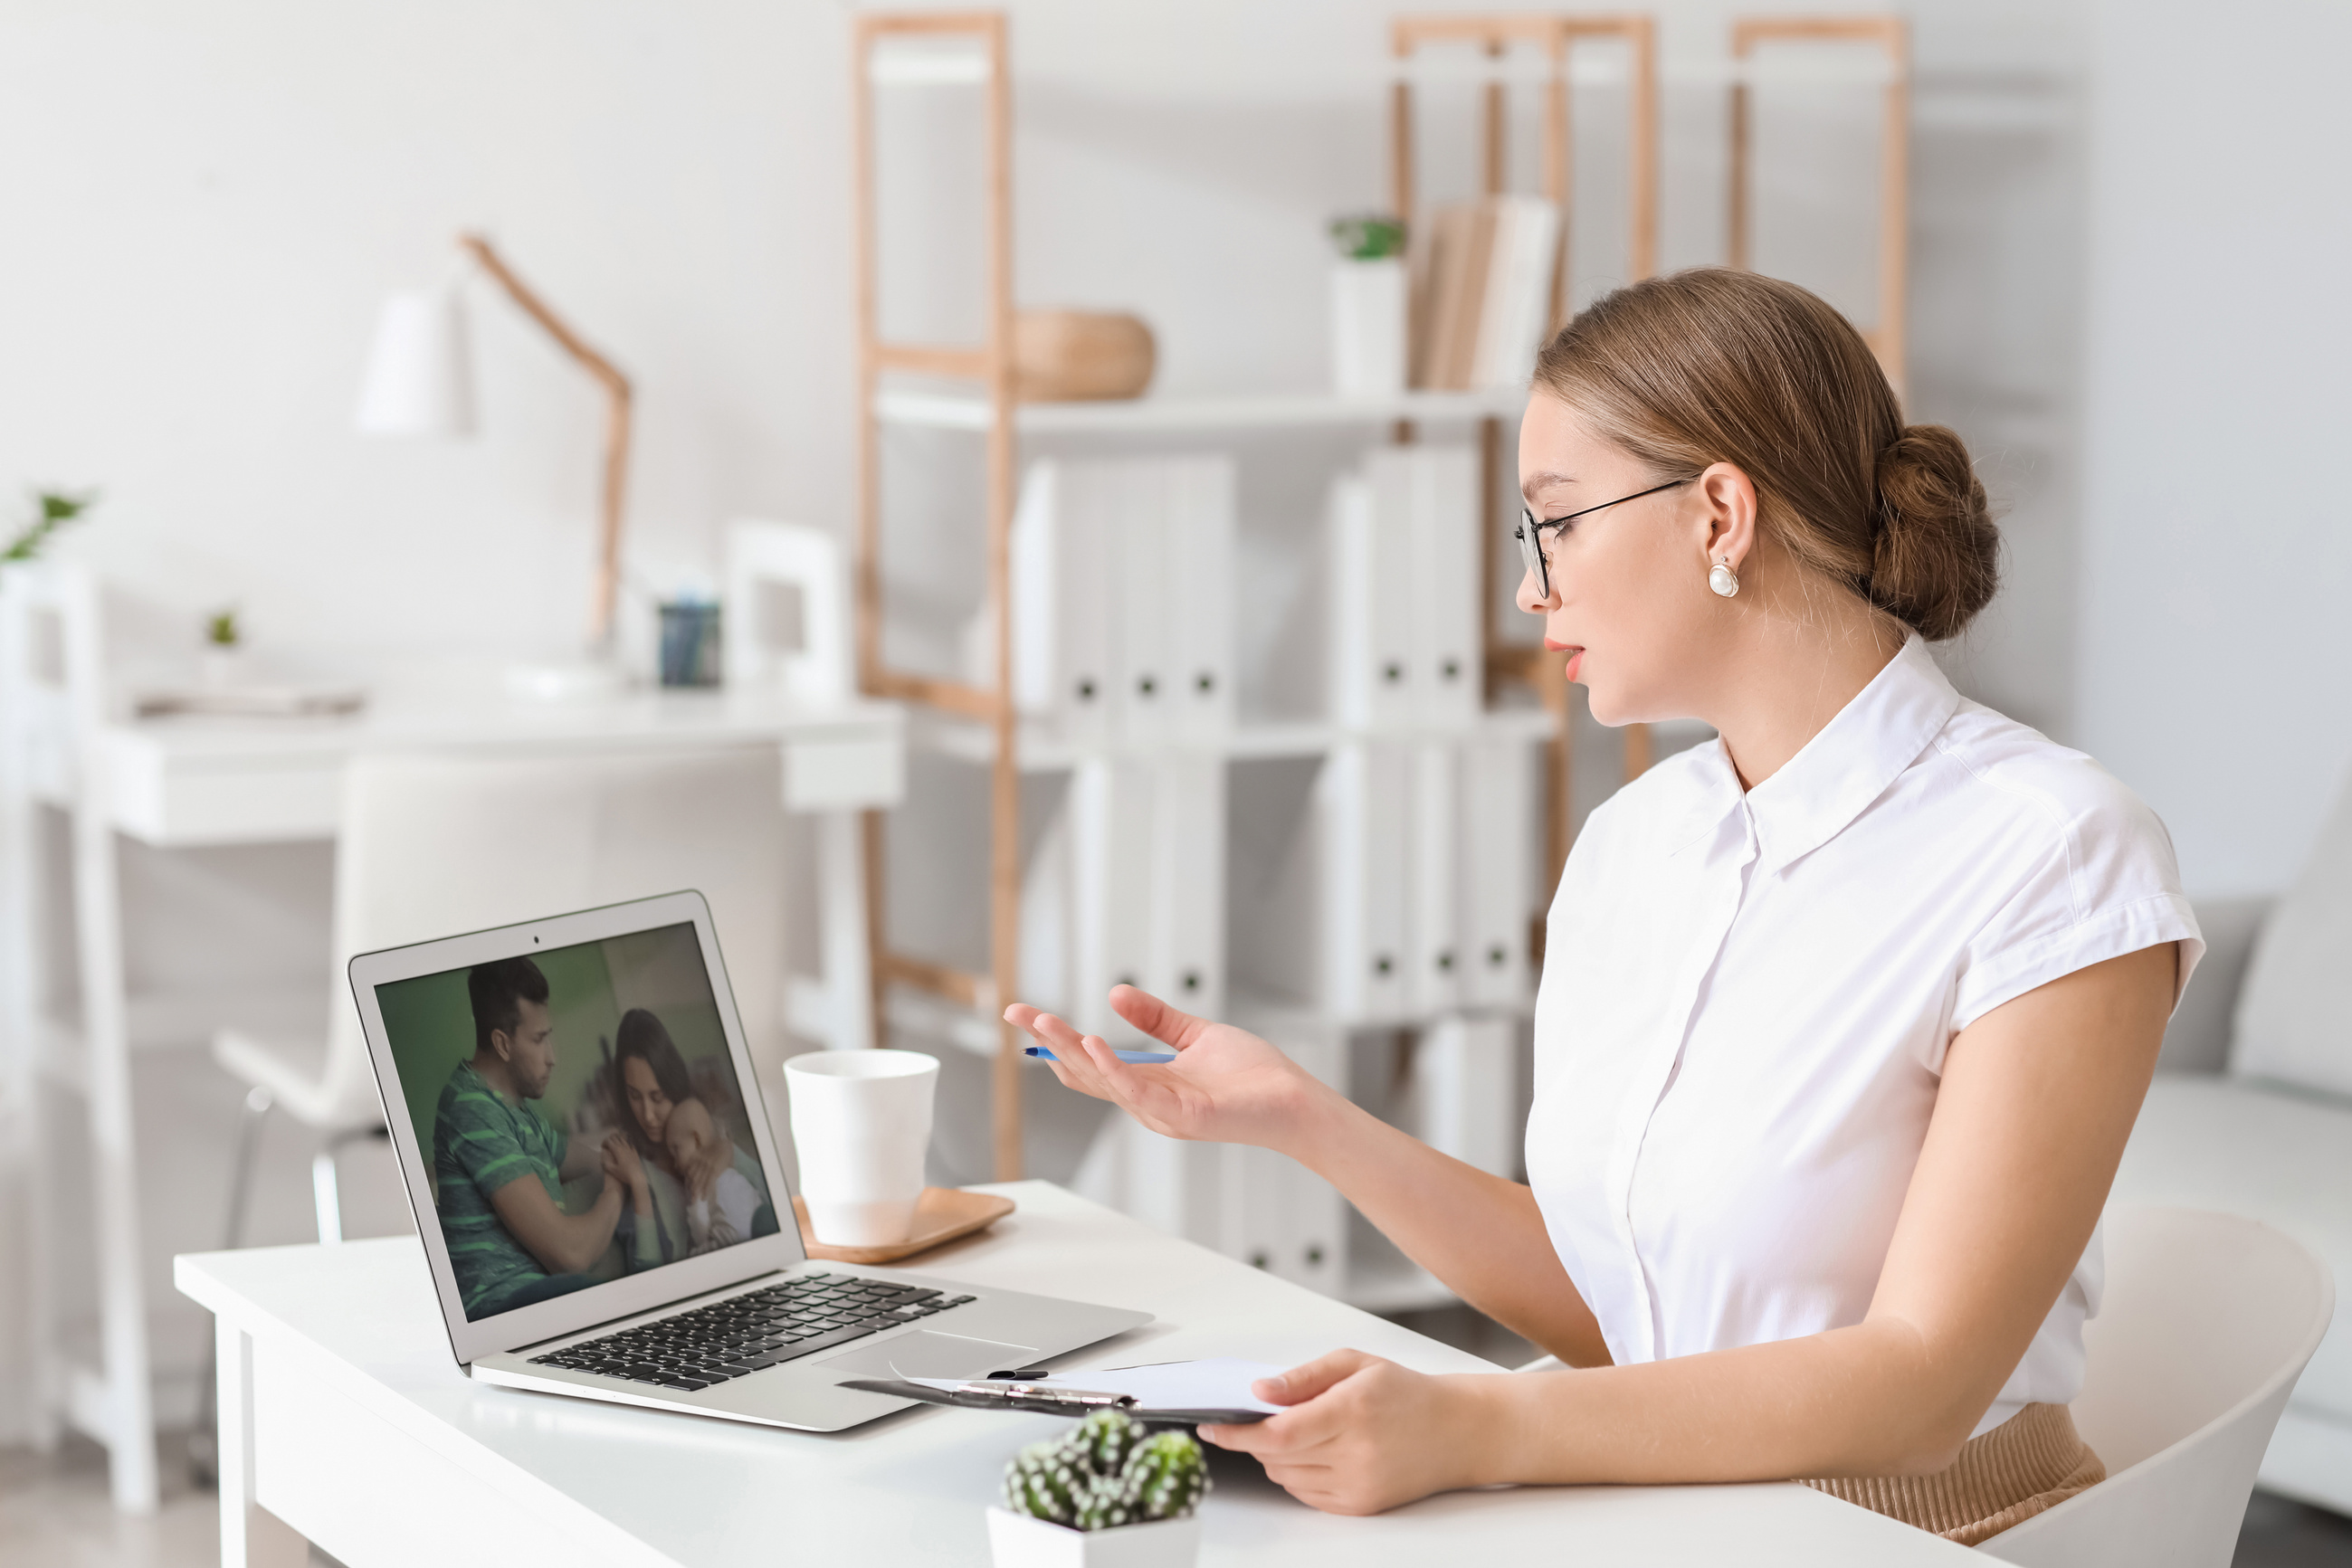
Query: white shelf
pixel 1045 750
pixel 1135 416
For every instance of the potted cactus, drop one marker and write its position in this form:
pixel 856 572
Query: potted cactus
pixel 1105 1492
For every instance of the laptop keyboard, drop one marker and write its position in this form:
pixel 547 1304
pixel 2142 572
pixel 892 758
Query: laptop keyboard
pixel 745 1333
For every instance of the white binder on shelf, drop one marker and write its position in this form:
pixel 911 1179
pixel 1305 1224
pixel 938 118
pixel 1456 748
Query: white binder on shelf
pixel 1433 883
pixel 1185 963
pixel 1363 792
pixel 1141 497
pixel 1202 529
pixel 1500 846
pixel 1443 568
pixel 1110 875
pixel 1373 599
pixel 1066 561
pixel 1466 1084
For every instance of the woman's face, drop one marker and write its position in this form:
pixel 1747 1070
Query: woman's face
pixel 647 1104
pixel 1628 606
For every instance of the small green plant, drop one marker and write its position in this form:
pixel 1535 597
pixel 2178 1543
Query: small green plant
pixel 1105 1472
pixel 1368 237
pixel 221 629
pixel 53 510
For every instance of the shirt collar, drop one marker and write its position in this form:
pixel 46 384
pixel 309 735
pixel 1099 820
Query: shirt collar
pixel 1835 776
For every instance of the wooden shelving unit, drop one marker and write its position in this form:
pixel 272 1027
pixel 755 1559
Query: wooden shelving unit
pixel 1889 34
pixel 1555 38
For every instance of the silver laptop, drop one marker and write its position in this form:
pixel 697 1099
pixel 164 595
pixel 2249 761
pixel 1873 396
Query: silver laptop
pixel 600 1197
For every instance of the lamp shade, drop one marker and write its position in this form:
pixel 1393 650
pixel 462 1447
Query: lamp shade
pixel 420 380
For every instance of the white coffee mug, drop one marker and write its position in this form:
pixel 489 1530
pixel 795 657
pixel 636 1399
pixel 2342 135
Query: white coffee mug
pixel 861 1122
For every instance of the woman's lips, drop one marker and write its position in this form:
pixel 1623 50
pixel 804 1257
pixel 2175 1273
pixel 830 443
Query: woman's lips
pixel 1575 655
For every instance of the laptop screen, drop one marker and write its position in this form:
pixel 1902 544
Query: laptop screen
pixel 578 1115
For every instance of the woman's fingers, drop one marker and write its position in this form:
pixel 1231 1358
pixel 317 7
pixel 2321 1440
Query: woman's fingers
pixel 1070 1064
pixel 1155 1017
pixel 1301 1383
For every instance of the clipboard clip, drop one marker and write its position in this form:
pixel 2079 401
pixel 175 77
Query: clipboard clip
pixel 1034 1395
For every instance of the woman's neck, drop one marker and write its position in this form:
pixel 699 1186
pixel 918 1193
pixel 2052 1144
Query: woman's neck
pixel 1791 673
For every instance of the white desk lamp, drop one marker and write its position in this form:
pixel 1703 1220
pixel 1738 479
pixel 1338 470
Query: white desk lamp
pixel 420 384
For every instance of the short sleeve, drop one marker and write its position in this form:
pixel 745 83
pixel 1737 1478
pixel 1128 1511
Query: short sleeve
pixel 2107 884
pixel 483 1146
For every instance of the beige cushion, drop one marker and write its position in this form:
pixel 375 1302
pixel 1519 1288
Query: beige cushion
pixel 2269 1155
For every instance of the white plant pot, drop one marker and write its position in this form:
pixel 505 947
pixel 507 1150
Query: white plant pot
pixel 1368 328
pixel 221 667
pixel 1017 1540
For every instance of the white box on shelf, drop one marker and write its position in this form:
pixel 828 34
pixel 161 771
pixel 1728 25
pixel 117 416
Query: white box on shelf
pixel 1173 1186
pixel 1111 898
pixel 1065 560
pixel 1201 589
pixel 1443 573
pixel 1500 846
pixel 1185 962
pixel 1518 291
pixel 1465 1085
pixel 1373 601
pixel 1433 881
pixel 1362 796
pixel 1140 509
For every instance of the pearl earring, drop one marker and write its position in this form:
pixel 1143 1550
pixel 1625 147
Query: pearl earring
pixel 1723 579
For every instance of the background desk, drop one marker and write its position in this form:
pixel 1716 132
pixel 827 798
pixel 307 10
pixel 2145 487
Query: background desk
pixel 344 1421
pixel 191 782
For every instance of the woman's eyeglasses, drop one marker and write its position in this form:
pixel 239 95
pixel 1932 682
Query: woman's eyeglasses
pixel 1529 531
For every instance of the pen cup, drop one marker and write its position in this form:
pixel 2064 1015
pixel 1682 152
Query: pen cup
pixel 861 1122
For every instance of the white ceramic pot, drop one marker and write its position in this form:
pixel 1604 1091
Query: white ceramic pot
pixel 1017 1540
pixel 1368 328
pixel 861 1123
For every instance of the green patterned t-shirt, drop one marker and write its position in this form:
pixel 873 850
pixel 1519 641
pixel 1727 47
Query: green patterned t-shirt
pixel 482 1141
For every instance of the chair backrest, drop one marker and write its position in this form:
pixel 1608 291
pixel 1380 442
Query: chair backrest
pixel 2207 1322
pixel 2290 1021
pixel 438 844
pixel 770 565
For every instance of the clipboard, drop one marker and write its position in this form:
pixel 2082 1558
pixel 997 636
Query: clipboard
pixel 1047 1398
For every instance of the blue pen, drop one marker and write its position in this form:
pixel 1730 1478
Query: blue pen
pixel 1132 1058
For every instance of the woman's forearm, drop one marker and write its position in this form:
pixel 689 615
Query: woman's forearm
pixel 1867 1400
pixel 1482 1234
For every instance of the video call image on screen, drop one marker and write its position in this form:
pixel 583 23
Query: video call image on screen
pixel 578 1113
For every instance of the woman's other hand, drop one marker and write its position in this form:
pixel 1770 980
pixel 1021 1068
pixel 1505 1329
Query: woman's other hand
pixel 1361 1434
pixel 1226 1085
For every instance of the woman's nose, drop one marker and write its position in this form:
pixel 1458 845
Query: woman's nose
pixel 1531 597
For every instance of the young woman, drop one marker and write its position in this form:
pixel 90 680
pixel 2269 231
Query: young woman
pixel 1845 1018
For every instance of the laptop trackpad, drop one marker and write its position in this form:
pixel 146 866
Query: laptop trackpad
pixel 927 1352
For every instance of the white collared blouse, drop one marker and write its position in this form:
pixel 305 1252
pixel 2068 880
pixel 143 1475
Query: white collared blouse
pixel 1748 994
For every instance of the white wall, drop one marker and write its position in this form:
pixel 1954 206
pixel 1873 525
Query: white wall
pixel 204 205
pixel 2215 550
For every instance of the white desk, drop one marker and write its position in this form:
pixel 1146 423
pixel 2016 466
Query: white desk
pixel 344 1419
pixel 198 781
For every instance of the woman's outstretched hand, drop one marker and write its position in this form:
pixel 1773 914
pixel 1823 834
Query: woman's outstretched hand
pixel 1226 1085
pixel 1361 1434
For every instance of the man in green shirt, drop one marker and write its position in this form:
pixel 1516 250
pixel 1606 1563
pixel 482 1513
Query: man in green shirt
pixel 499 1166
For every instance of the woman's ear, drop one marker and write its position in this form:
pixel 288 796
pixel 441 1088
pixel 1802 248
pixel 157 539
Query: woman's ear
pixel 1728 515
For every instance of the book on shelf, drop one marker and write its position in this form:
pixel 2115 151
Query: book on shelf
pixel 1485 298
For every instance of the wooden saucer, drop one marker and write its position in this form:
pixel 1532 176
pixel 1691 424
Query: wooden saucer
pixel 941 1214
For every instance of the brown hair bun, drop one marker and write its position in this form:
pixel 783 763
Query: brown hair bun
pixel 1716 366
pixel 1936 560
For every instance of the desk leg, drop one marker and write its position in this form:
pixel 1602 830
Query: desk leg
pixel 848 977
pixel 251 1536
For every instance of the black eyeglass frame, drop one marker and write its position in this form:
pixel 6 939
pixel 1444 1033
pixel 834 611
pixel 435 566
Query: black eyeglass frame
pixel 1531 550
